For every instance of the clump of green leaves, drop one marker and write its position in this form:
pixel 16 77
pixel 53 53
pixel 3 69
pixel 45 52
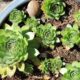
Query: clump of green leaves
pixel 47 35
pixel 70 36
pixel 51 65
pixel 53 9
pixel 76 17
pixel 14 50
pixel 16 16
pixel 73 72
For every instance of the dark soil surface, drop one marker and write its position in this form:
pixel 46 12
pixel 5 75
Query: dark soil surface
pixel 67 56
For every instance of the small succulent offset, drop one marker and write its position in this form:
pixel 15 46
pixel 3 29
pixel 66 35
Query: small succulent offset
pixel 16 16
pixel 32 23
pixel 70 36
pixel 73 71
pixel 76 17
pixel 53 9
pixel 47 35
pixel 51 65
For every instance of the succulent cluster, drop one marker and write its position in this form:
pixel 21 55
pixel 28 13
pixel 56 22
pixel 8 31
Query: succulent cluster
pixel 48 34
pixel 51 65
pixel 19 43
pixel 14 47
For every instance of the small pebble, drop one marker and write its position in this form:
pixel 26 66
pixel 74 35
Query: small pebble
pixel 63 71
pixel 33 8
pixel 46 77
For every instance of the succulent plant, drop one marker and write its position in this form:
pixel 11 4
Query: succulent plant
pixel 50 65
pixel 76 17
pixel 73 71
pixel 47 35
pixel 53 9
pixel 16 16
pixel 70 36
pixel 13 48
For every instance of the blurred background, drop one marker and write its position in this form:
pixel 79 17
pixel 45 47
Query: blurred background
pixel 4 3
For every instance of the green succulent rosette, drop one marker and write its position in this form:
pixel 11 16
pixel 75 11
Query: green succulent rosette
pixel 53 9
